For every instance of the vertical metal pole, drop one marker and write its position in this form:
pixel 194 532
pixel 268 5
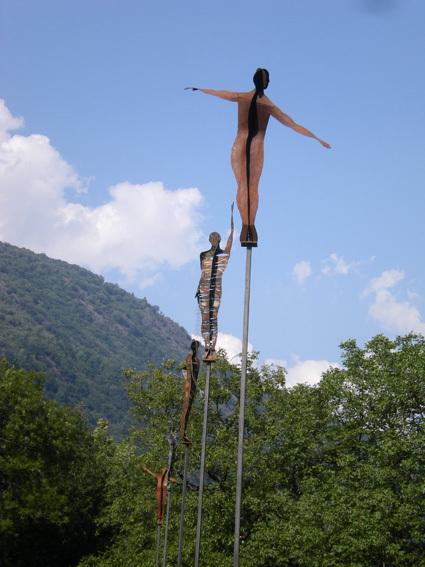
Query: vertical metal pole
pixel 158 540
pixel 242 406
pixel 182 504
pixel 202 469
pixel 172 442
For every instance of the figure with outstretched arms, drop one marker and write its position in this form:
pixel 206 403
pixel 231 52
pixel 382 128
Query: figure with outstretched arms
pixel 254 111
pixel 162 479
pixel 213 263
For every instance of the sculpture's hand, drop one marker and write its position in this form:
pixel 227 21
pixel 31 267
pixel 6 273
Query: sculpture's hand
pixel 324 144
pixel 191 89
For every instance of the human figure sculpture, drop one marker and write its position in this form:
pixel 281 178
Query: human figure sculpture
pixel 213 263
pixel 190 372
pixel 254 111
pixel 162 480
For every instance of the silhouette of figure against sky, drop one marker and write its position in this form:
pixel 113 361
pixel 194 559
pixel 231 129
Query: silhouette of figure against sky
pixel 254 111
pixel 213 263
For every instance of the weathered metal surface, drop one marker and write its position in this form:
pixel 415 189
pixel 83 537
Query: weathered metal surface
pixel 213 264
pixel 190 384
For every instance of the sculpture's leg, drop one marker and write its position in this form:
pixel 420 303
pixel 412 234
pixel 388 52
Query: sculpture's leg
pixel 240 171
pixel 255 169
pixel 159 506
pixel 183 422
pixel 205 324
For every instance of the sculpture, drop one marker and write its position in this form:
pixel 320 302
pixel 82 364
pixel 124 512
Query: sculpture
pixel 190 371
pixel 254 111
pixel 162 480
pixel 213 263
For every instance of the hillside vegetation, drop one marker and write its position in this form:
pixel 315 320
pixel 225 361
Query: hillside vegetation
pixel 81 332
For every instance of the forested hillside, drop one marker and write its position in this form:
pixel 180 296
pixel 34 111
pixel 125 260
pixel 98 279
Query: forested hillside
pixel 80 331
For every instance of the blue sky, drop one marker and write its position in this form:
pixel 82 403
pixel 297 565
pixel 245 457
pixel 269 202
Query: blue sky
pixel 99 89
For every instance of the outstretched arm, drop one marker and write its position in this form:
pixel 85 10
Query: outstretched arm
pixel 287 121
pixel 227 95
pixel 230 239
pixel 149 471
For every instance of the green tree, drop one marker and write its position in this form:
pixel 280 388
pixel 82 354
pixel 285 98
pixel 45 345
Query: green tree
pixel 51 476
pixel 334 474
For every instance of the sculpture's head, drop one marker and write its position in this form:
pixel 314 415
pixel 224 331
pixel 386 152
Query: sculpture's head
pixel 194 346
pixel 261 80
pixel 215 239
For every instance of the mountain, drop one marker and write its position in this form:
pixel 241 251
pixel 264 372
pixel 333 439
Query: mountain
pixel 80 331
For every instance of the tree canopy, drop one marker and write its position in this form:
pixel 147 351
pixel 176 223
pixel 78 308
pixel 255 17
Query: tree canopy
pixel 334 474
pixel 51 476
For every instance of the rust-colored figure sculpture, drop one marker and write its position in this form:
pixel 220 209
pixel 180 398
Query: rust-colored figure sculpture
pixel 213 263
pixel 162 480
pixel 190 371
pixel 254 111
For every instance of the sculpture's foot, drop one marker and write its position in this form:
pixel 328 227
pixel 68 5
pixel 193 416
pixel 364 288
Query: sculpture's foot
pixel 249 235
pixel 186 440
pixel 244 234
pixel 210 356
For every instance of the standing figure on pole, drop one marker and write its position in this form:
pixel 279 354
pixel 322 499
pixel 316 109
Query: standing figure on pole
pixel 190 371
pixel 213 263
pixel 162 480
pixel 254 111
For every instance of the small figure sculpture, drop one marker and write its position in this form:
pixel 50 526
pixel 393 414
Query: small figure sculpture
pixel 213 263
pixel 162 480
pixel 190 372
pixel 254 111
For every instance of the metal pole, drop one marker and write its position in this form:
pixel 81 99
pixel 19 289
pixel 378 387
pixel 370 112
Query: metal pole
pixel 202 469
pixel 172 442
pixel 182 504
pixel 158 540
pixel 242 407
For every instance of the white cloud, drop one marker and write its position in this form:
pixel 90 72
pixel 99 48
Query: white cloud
pixel 308 371
pixel 301 271
pixel 303 371
pixel 8 123
pixel 393 315
pixel 231 344
pixel 386 280
pixel 335 264
pixel 141 228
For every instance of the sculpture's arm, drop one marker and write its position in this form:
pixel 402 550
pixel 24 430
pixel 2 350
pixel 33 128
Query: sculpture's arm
pixel 149 471
pixel 198 290
pixel 227 95
pixel 232 226
pixel 287 121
